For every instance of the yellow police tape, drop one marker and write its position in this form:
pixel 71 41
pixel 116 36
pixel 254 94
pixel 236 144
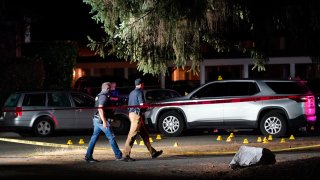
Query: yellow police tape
pixel 39 143
pixel 181 153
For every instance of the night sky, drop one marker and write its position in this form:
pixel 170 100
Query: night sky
pixel 56 19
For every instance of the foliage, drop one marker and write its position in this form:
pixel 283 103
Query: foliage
pixel 58 58
pixel 18 74
pixel 156 33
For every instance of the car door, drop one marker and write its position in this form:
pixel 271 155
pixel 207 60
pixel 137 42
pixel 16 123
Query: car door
pixel 206 107
pixel 64 115
pixel 84 110
pixel 240 109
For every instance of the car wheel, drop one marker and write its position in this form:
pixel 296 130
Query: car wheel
pixel 171 124
pixel 273 123
pixel 43 127
pixel 120 125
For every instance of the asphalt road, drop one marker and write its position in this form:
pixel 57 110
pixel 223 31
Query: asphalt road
pixel 197 155
pixel 195 143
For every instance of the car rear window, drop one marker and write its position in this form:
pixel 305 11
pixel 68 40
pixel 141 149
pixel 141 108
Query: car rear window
pixel 38 99
pixel 12 100
pixel 294 87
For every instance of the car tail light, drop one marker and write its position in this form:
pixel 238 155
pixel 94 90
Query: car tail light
pixel 310 109
pixel 18 111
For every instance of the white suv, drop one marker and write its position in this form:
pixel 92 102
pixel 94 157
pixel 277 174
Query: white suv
pixel 273 106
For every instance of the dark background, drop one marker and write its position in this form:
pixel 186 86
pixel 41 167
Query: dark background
pixel 54 20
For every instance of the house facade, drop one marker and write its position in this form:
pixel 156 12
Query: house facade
pixel 302 67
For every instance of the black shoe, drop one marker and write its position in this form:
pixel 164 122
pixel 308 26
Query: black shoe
pixel 90 160
pixel 156 154
pixel 128 159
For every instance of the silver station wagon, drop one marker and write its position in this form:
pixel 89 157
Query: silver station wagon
pixel 44 112
pixel 274 107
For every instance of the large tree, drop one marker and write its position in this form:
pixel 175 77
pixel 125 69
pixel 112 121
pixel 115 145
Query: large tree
pixel 155 33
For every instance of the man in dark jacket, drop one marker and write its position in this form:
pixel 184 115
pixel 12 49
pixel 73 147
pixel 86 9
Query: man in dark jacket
pixel 137 125
pixel 101 122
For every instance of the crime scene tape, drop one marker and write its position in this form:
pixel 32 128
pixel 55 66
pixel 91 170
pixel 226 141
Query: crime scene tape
pixel 39 143
pixel 144 150
pixel 180 103
pixel 234 152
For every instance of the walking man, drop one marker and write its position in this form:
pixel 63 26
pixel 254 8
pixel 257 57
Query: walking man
pixel 101 121
pixel 137 125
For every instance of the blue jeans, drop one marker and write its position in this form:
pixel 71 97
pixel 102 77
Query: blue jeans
pixel 97 128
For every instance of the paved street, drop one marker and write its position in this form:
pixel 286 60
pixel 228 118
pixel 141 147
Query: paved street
pixel 193 156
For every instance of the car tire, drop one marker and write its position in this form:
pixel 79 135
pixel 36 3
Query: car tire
pixel 123 127
pixel 273 123
pixel 43 127
pixel 171 124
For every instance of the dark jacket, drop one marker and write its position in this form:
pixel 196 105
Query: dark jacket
pixel 103 98
pixel 135 99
